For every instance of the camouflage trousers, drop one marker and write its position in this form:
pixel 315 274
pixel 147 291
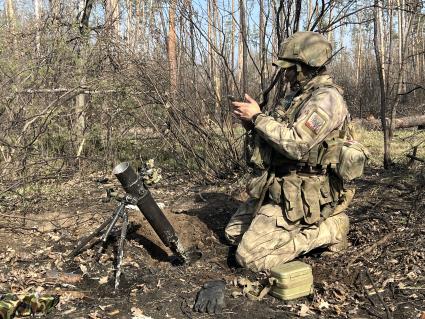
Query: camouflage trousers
pixel 269 238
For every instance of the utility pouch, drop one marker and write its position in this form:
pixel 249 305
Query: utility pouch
pixel 257 183
pixel 260 154
pixel 352 160
pixel 325 191
pixel 275 190
pixel 329 154
pixel 311 198
pixel 293 204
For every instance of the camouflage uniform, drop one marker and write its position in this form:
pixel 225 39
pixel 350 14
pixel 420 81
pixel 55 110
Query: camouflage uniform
pixel 299 202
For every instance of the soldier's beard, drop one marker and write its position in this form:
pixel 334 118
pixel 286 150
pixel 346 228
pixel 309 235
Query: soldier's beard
pixel 300 81
pixel 295 85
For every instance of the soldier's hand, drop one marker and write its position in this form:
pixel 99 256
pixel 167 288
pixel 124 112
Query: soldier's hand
pixel 211 297
pixel 246 110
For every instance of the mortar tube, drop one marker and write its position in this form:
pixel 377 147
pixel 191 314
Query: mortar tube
pixel 134 186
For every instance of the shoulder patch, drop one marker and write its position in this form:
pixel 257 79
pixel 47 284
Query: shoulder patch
pixel 315 122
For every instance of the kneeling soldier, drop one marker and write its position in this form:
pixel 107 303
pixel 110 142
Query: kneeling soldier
pixel 296 200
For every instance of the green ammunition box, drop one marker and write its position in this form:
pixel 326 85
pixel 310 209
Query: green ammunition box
pixel 292 280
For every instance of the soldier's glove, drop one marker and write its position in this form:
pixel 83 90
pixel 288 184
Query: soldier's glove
pixel 211 297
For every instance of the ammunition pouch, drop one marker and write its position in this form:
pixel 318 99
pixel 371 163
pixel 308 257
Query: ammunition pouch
pixel 308 190
pixel 304 196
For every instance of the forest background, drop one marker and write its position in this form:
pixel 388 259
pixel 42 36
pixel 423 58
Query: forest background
pixel 86 84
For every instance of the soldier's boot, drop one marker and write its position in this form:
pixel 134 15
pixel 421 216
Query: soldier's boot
pixel 336 248
pixel 342 231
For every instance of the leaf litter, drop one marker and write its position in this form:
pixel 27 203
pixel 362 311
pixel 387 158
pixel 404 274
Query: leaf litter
pixel 390 277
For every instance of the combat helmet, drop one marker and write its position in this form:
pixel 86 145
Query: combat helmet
pixel 310 48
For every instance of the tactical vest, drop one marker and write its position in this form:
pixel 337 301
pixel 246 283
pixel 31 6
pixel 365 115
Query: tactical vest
pixel 306 189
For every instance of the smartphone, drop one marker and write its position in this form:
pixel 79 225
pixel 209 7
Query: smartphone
pixel 231 98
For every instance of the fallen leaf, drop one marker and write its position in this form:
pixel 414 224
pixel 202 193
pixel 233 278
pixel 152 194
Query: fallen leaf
pixel 93 315
pixel 69 278
pixel 103 280
pixel 70 310
pixel 136 311
pixel 412 275
pixel 72 295
pixel 84 269
pixel 337 309
pixel 104 307
pixel 114 312
pixel 305 311
pixel 339 294
pixel 323 305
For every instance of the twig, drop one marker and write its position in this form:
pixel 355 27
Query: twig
pixel 415 158
pixel 202 197
pixel 359 278
pixel 414 152
pixel 363 218
pixel 371 312
pixel 183 305
pixel 387 310
pixel 370 248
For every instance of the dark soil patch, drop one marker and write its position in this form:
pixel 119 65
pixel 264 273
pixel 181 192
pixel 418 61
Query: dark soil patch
pixel 390 278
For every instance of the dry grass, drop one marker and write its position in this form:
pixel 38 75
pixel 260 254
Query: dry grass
pixel 401 145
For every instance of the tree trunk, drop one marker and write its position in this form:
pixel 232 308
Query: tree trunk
pixel 172 53
pixel 215 61
pixel 378 44
pixel 309 14
pixel 400 123
pixel 54 9
pixel 262 47
pixel 113 17
pixel 11 22
pixel 129 23
pixel 191 31
pixel 80 100
pixel 137 18
pixel 85 11
pixel 37 13
pixel 243 49
pixel 297 15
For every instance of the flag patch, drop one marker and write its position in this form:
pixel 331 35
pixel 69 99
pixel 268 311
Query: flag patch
pixel 315 122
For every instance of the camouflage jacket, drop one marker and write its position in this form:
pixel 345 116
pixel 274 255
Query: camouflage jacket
pixel 289 138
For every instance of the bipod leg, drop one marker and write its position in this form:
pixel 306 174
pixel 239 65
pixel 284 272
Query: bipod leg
pixel 117 214
pixel 86 240
pixel 121 248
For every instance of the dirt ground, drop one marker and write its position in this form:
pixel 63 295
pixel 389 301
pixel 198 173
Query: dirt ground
pixel 381 275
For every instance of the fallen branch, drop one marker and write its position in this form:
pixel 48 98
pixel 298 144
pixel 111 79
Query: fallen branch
pixel 387 310
pixel 384 239
pixel 415 158
pixel 402 122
